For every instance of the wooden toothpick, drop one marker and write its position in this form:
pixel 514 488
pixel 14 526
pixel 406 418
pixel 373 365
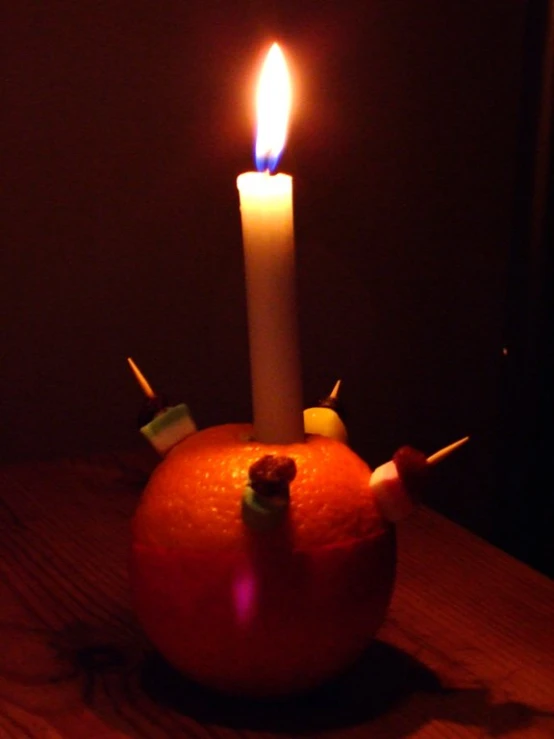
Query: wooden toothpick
pixel 141 379
pixel 335 391
pixel 442 453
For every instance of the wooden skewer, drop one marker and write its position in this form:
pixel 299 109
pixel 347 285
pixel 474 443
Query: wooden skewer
pixel 442 453
pixel 335 391
pixel 141 379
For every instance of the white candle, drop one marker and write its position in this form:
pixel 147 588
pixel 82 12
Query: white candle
pixel 268 240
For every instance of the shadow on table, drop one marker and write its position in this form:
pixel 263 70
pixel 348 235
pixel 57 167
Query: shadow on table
pixel 382 678
pixel 379 686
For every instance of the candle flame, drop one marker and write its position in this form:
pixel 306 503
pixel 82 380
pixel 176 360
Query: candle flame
pixel 273 102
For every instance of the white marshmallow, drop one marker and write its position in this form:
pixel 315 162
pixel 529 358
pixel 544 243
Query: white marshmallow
pixel 390 492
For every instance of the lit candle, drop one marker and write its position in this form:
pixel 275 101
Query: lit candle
pixel 268 240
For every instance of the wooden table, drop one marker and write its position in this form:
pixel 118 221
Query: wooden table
pixel 467 650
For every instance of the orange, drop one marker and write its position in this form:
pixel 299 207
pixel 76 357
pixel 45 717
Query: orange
pixel 255 612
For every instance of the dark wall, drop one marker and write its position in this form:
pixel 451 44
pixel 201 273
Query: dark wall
pixel 125 126
pixel 525 487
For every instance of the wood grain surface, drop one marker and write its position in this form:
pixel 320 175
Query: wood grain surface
pixel 467 650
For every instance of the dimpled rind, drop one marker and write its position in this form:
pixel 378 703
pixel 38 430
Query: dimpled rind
pixel 194 496
pixel 260 612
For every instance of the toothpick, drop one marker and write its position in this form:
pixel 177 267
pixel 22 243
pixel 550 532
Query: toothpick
pixel 335 391
pixel 141 379
pixel 442 453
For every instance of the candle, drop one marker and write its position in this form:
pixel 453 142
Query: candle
pixel 268 241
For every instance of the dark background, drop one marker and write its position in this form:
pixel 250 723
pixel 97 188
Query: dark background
pixel 124 128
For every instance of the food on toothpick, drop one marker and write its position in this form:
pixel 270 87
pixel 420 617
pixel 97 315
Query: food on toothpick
pixel 161 424
pixel 169 427
pixel 399 483
pixel 253 609
pixel 325 418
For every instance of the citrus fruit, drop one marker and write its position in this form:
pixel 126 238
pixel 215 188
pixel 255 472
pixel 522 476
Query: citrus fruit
pixel 260 611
